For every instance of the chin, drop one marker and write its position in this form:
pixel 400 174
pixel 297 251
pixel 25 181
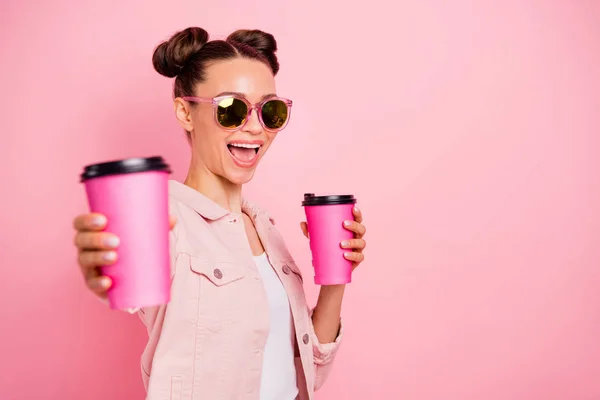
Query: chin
pixel 240 179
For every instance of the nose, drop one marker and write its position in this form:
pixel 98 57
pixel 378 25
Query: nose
pixel 253 125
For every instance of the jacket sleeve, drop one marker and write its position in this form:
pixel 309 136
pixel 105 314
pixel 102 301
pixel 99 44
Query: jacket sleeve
pixel 324 354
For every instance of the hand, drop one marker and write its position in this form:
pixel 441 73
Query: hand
pixel 97 248
pixel 356 245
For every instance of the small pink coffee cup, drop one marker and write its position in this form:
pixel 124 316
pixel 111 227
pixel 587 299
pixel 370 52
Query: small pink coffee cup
pixel 325 216
pixel 133 195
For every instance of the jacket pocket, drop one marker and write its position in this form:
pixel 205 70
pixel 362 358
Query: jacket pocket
pixel 220 286
pixel 219 273
pixel 176 387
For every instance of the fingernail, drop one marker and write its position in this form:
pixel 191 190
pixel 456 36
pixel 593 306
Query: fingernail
pixel 99 220
pixel 347 254
pixel 355 209
pixel 110 256
pixel 103 283
pixel 345 243
pixel 112 241
pixel 347 223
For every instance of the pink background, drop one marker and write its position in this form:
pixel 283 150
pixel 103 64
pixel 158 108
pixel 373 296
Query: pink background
pixel 468 130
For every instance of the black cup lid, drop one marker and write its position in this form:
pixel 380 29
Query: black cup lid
pixel 311 200
pixel 126 166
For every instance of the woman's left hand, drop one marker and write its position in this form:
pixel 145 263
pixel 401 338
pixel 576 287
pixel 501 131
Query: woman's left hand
pixel 356 245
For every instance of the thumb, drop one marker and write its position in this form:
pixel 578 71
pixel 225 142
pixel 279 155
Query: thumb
pixel 304 227
pixel 172 221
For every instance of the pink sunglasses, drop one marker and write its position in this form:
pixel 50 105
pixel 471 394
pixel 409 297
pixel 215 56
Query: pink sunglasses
pixel 232 112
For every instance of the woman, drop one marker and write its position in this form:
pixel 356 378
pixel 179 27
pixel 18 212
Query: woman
pixel 237 326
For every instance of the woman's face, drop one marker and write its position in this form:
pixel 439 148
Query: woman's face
pixel 218 151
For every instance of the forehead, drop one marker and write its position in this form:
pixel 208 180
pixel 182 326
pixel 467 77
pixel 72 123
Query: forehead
pixel 252 78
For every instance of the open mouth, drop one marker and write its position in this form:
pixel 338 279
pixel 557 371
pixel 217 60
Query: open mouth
pixel 244 152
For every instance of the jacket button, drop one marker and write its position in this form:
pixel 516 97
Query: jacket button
pixel 305 338
pixel 217 273
pixel 286 270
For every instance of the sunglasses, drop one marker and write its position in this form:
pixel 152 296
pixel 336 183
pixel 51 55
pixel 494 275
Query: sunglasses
pixel 232 112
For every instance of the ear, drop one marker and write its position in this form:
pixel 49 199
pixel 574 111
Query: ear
pixel 183 114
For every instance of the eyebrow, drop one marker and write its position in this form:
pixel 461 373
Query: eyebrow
pixel 266 96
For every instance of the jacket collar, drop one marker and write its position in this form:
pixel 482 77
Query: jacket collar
pixel 204 206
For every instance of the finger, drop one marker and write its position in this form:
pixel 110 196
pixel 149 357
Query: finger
pixel 89 222
pixel 93 259
pixel 172 221
pixel 355 244
pixel 355 227
pixel 99 285
pixel 357 214
pixel 304 227
pixel 96 241
pixel 355 257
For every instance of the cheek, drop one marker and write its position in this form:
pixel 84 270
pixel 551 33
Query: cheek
pixel 209 138
pixel 270 137
pixel 203 121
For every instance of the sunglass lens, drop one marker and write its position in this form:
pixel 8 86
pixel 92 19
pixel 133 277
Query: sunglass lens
pixel 232 112
pixel 274 114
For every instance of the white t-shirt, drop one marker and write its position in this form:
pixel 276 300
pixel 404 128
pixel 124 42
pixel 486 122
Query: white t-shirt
pixel 278 379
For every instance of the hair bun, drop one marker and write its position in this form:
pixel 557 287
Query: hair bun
pixel 264 43
pixel 171 56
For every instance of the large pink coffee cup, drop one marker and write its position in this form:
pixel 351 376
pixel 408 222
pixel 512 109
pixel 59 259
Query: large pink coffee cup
pixel 133 195
pixel 325 216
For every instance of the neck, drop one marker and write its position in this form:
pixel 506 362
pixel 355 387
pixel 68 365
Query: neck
pixel 226 194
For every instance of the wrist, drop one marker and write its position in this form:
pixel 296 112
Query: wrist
pixel 331 290
pixel 330 296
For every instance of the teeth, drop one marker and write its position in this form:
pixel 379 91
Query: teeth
pixel 247 146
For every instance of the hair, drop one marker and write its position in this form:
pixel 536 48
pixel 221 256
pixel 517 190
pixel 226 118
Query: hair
pixel 187 54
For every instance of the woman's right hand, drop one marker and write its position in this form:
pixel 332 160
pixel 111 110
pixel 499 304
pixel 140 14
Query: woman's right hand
pixel 96 248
